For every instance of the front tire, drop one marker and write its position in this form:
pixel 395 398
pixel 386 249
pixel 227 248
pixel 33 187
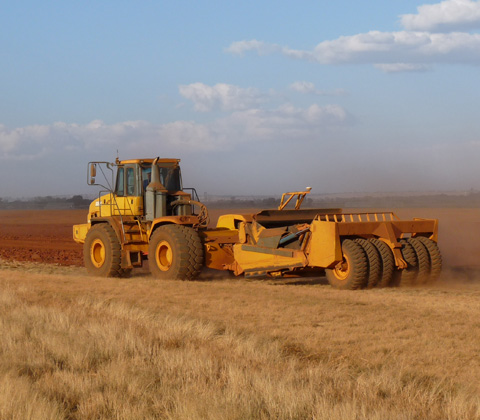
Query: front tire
pixel 175 252
pixel 102 252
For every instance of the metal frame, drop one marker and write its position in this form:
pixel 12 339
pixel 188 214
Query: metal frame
pixel 300 197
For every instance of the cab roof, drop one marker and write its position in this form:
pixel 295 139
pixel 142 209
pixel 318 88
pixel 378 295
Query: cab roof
pixel 149 161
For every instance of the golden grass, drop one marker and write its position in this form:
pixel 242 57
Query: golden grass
pixel 74 347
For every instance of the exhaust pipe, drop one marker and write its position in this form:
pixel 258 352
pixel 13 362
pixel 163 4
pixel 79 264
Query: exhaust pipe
pixel 155 184
pixel 155 195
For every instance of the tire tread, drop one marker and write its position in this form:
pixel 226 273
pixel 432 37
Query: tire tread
pixel 187 247
pixel 388 262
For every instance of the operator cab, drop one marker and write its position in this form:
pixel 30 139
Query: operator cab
pixel 157 183
pixel 134 176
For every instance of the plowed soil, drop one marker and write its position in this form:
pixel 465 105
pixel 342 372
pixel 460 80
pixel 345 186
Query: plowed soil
pixel 40 236
pixel 46 235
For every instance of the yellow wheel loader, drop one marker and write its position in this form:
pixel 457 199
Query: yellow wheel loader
pixel 145 213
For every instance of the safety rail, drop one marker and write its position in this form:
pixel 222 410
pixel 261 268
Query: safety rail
pixel 193 193
pixel 203 212
pixel 359 217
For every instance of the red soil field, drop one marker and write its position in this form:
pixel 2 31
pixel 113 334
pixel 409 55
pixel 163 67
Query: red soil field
pixel 46 235
pixel 41 236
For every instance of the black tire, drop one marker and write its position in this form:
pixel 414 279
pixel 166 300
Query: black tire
pixel 175 252
pixel 388 262
pixel 352 272
pixel 423 260
pixel 102 252
pixel 374 262
pixel 408 276
pixel 435 258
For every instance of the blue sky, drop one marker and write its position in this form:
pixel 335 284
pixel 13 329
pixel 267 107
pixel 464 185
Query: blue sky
pixel 254 97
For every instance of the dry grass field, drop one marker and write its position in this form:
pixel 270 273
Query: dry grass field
pixel 76 347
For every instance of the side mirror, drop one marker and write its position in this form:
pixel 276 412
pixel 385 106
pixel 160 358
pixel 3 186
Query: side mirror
pixel 93 173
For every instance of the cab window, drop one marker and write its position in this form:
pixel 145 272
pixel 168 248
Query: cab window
pixel 146 176
pixel 120 182
pixel 170 178
pixel 130 181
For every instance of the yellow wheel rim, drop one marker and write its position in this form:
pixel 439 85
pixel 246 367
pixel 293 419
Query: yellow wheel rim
pixel 97 253
pixel 164 256
pixel 342 270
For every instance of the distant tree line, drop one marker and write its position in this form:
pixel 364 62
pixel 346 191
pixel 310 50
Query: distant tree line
pixel 236 202
pixel 47 202
pixel 469 199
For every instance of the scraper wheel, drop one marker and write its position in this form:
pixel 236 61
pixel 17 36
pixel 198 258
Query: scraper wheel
pixel 435 258
pixel 352 272
pixel 408 276
pixel 374 262
pixel 388 262
pixel 423 260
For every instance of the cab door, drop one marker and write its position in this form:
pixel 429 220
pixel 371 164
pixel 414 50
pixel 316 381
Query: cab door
pixel 129 198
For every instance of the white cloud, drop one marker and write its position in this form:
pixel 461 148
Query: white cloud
pixel 134 138
pixel 286 123
pixel 414 49
pixel 240 47
pixel 446 15
pixel 221 96
pixel 410 48
pixel 402 67
pixel 25 142
pixel 406 47
pixel 303 87
pixel 309 88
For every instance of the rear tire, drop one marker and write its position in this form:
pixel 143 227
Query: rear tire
pixel 388 262
pixel 102 252
pixel 435 258
pixel 423 260
pixel 175 252
pixel 374 262
pixel 352 272
pixel 408 276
